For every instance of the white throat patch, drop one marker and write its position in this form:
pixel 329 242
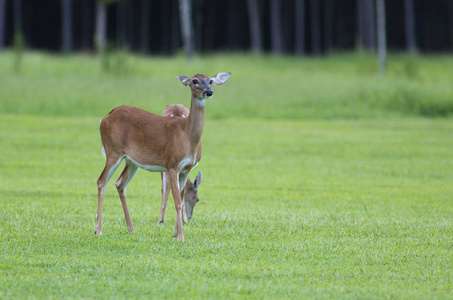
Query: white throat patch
pixel 200 102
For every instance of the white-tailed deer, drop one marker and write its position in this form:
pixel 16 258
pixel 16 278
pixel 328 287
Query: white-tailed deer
pixel 191 189
pixel 156 144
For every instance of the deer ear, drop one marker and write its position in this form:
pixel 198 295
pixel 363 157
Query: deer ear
pixel 198 180
pixel 184 79
pixel 221 78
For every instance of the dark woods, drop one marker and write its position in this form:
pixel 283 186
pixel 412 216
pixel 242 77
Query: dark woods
pixel 313 27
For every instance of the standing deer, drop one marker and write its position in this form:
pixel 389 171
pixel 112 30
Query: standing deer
pixel 191 189
pixel 156 144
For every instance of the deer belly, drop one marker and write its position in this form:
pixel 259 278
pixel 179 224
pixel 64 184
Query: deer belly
pixel 146 167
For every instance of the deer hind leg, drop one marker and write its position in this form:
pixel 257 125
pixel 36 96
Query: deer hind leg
pixel 121 185
pixel 165 194
pixel 111 165
pixel 174 186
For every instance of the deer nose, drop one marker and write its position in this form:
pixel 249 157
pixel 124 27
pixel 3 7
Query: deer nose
pixel 208 93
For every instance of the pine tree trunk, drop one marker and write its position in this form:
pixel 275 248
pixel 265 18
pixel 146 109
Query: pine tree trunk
pixel 381 35
pixel 411 44
pixel 86 25
pixel 2 23
pixel 17 16
pixel 255 32
pixel 175 27
pixel 299 24
pixel 361 24
pixel 450 16
pixel 328 26
pixel 209 30
pixel 186 26
pixel 276 37
pixel 144 39
pixel 315 27
pixel 66 32
pixel 121 16
pixel 130 29
pixel 370 18
pixel 198 22
pixel 101 28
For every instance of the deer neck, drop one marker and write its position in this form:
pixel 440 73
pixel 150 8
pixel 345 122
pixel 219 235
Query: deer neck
pixel 196 120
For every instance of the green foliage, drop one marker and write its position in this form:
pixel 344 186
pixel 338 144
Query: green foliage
pixel 18 45
pixel 341 86
pixel 320 181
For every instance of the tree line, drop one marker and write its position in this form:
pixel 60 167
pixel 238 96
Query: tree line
pixel 299 27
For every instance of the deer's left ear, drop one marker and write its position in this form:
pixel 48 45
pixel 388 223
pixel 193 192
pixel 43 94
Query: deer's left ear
pixel 184 79
pixel 220 78
pixel 198 180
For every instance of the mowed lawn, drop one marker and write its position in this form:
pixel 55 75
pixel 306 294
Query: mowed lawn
pixel 315 207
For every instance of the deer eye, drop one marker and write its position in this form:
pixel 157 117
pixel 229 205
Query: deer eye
pixel 195 81
pixel 211 81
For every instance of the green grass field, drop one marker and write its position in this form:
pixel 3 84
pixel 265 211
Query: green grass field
pixel 321 180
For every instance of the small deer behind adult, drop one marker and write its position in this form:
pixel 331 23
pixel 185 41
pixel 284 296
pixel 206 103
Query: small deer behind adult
pixel 155 143
pixel 191 189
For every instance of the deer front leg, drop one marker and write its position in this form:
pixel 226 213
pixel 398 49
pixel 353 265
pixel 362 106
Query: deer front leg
pixel 174 186
pixel 183 198
pixel 165 193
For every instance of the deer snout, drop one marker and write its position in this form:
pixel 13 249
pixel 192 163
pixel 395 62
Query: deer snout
pixel 208 93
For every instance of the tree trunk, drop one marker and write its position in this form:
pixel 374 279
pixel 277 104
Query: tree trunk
pixel 276 37
pixel 186 26
pixel 299 24
pixel 361 24
pixel 450 15
pixel 101 28
pixel 328 26
pixel 86 25
pixel 144 40
pixel 381 35
pixel 411 44
pixel 370 20
pixel 66 32
pixel 210 28
pixel 131 37
pixel 175 35
pixel 121 16
pixel 255 32
pixel 17 16
pixel 315 28
pixel 198 22
pixel 19 40
pixel 2 23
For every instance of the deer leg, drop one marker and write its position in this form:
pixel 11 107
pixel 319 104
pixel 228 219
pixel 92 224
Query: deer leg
pixel 121 185
pixel 174 186
pixel 110 167
pixel 183 198
pixel 182 185
pixel 165 194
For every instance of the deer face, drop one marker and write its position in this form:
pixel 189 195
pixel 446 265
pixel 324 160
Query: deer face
pixel 200 84
pixel 191 197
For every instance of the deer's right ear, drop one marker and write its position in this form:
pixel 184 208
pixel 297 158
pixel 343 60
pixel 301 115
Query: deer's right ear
pixel 184 79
